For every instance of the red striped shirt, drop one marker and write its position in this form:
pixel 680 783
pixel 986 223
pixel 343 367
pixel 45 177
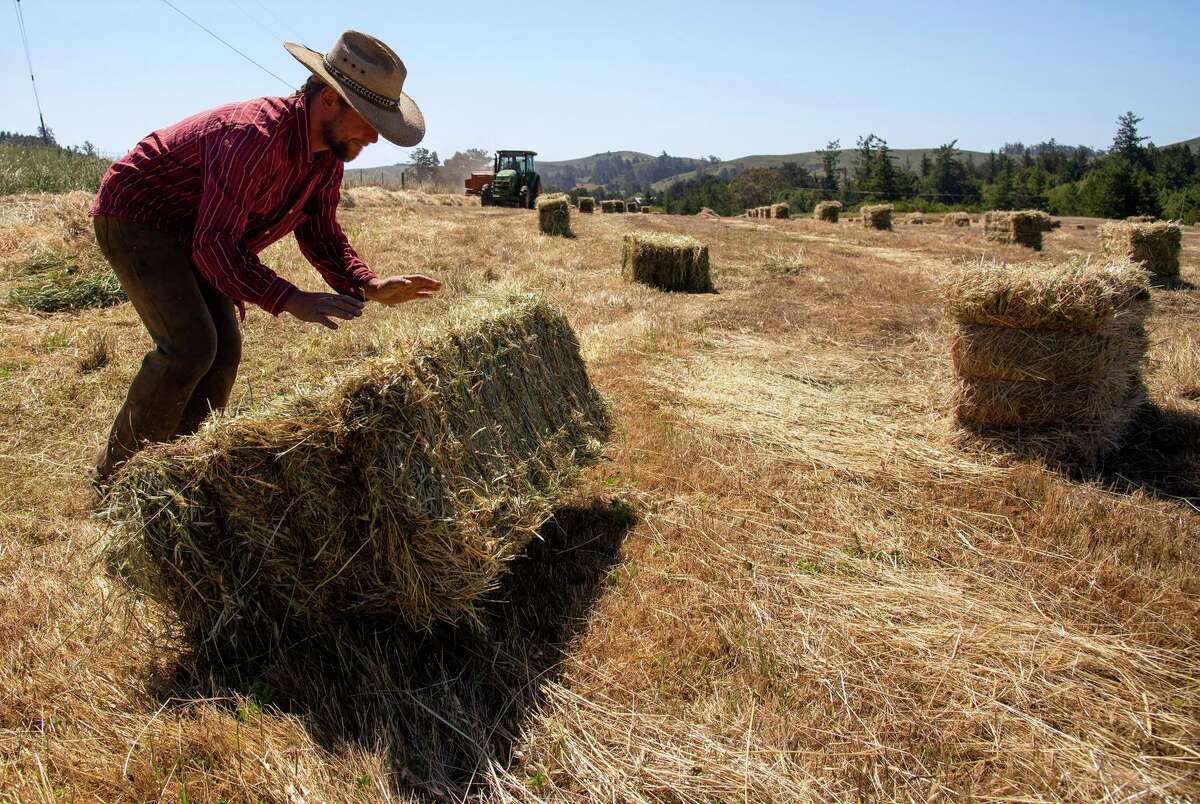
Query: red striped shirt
pixel 231 181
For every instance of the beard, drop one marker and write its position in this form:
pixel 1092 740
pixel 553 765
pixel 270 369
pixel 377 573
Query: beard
pixel 345 150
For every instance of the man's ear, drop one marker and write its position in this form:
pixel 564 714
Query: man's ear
pixel 330 98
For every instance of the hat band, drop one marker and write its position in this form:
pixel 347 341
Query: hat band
pixel 382 101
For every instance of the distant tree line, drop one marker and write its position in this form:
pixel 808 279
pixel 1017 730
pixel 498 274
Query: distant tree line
pixel 1132 178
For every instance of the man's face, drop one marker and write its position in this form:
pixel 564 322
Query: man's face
pixel 346 132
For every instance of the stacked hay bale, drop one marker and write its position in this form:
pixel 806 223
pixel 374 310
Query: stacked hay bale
pixel 666 261
pixel 554 214
pixel 828 211
pixel 1048 359
pixel 956 219
pixel 608 206
pixel 632 206
pixel 783 211
pixel 878 216
pixel 916 219
pixel 1044 221
pixel 1023 227
pixel 402 490
pixel 619 206
pixel 1153 246
pixel 587 205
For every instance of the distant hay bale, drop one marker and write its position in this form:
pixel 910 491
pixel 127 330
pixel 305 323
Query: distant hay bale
pixel 1048 358
pixel 666 261
pixel 705 212
pixel 645 209
pixel 632 206
pixel 1080 226
pixel 586 204
pixel 916 219
pixel 878 216
pixel 1023 227
pixel 554 214
pixel 619 206
pixel 956 219
pixel 1154 246
pixel 402 490
pixel 783 211
pixel 828 211
pixel 1141 219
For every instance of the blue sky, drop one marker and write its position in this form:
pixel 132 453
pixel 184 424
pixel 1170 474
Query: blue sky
pixel 570 79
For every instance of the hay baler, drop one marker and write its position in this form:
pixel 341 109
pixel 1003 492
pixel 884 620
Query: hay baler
pixel 513 182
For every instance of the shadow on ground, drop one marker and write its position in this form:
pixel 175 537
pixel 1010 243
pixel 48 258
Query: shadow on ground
pixel 1161 456
pixel 445 704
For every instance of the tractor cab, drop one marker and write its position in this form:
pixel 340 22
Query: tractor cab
pixel 514 181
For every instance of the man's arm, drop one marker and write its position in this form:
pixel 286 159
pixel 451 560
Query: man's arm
pixel 234 159
pixel 324 244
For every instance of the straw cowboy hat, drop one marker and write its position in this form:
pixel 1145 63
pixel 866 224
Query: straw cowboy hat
pixel 370 77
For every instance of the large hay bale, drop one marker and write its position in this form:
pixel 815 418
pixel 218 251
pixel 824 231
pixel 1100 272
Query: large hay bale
pixel 956 219
pixel 781 211
pixel 587 205
pixel 828 211
pixel 403 489
pixel 667 261
pixel 878 216
pixel 1154 246
pixel 554 214
pixel 1023 227
pixel 1048 358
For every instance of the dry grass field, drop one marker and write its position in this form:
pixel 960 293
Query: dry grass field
pixel 782 583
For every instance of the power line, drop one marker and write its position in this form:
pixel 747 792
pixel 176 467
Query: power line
pixel 45 132
pixel 183 14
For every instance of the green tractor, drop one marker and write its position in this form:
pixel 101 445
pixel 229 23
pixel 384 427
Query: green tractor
pixel 514 181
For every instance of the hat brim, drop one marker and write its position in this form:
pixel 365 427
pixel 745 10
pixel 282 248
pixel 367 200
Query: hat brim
pixel 404 126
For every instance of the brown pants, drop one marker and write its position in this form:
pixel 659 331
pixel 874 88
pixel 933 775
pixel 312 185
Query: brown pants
pixel 198 343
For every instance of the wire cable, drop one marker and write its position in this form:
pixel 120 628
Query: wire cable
pixel 192 20
pixel 45 132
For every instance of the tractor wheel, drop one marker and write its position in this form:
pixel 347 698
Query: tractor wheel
pixel 531 196
pixel 485 196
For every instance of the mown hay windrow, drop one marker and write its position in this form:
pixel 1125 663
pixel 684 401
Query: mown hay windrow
pixel 666 261
pixel 781 211
pixel 1023 227
pixel 1154 246
pixel 956 219
pixel 878 216
pixel 587 204
pixel 828 211
pixel 554 214
pixel 1048 358
pixel 402 490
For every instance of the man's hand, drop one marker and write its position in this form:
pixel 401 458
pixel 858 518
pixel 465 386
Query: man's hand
pixel 399 289
pixel 322 308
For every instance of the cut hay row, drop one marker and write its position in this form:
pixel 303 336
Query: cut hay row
pixel 402 490
pixel 554 214
pixel 1048 359
pixel 1154 246
pixel 878 216
pixel 1022 227
pixel 666 261
pixel 48 245
pixel 587 204
pixel 828 211
pixel 956 219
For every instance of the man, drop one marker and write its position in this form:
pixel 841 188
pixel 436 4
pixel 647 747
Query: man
pixel 183 215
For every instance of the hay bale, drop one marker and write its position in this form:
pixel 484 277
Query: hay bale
pixel 646 209
pixel 1141 219
pixel 1024 227
pixel 1048 359
pixel 587 205
pixel 828 211
pixel 632 206
pixel 956 219
pixel 782 211
pixel 878 216
pixel 554 214
pixel 1154 246
pixel 608 206
pixel 402 490
pixel 916 219
pixel 619 206
pixel 666 261
pixel 705 212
